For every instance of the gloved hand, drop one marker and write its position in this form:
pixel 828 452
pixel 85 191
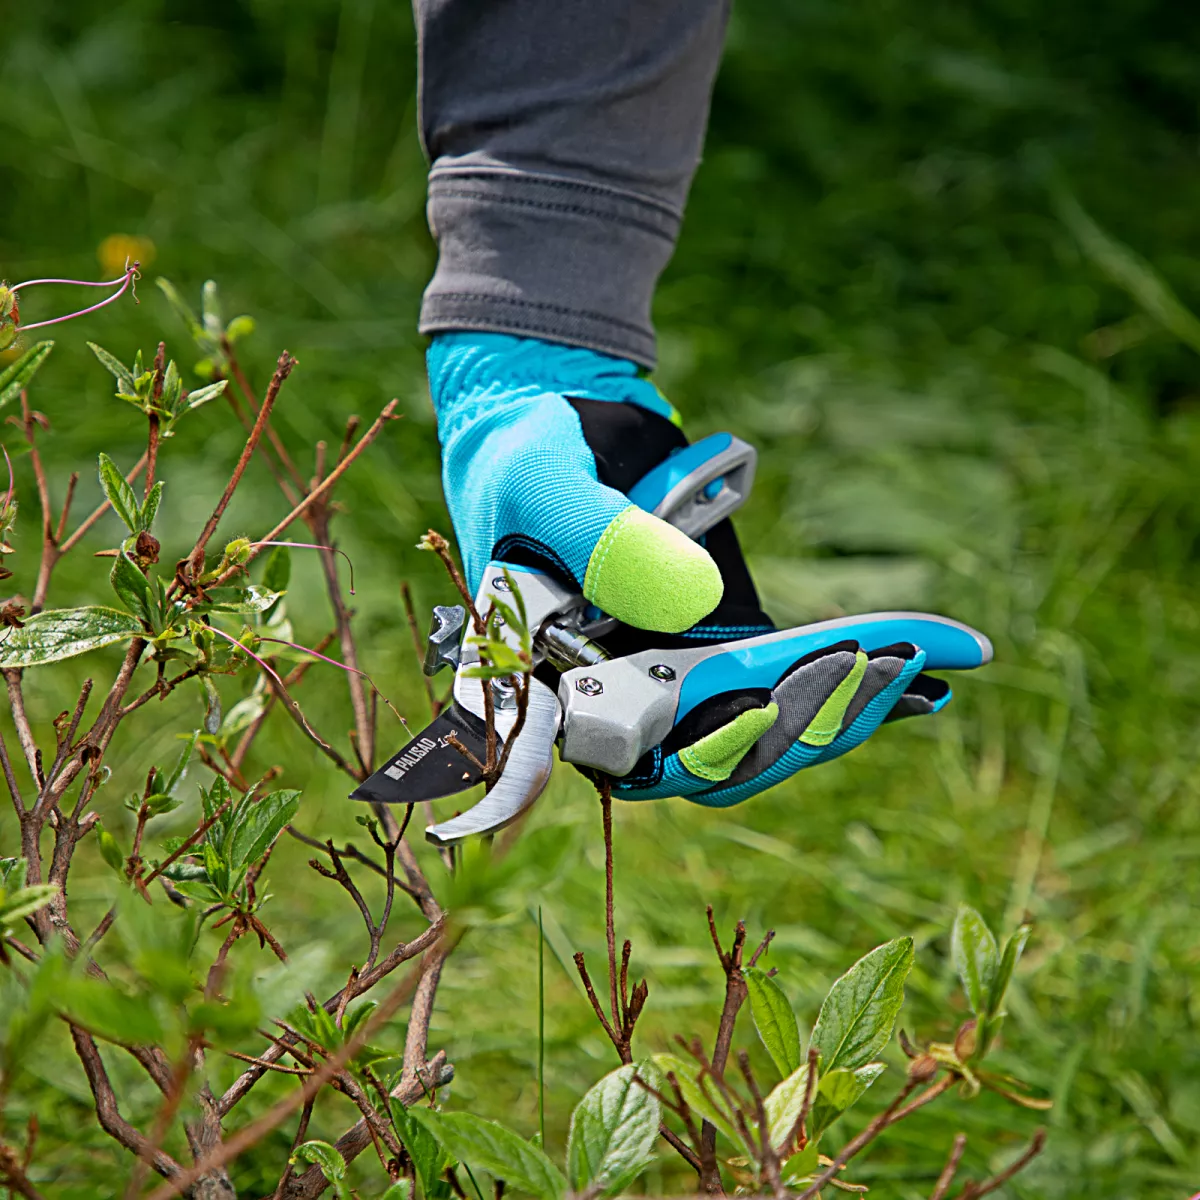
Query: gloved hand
pixel 740 743
pixel 521 480
pixel 540 443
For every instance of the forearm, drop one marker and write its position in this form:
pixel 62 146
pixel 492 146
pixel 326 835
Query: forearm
pixel 563 137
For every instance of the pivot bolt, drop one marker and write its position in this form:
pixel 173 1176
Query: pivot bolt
pixel 663 672
pixel 589 686
pixel 501 584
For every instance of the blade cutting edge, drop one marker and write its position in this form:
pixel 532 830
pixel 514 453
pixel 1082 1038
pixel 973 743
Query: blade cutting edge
pixel 429 767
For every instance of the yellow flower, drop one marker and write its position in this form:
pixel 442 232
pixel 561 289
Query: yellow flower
pixel 118 248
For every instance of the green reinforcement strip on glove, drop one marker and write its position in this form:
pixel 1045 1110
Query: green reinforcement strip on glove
pixel 716 756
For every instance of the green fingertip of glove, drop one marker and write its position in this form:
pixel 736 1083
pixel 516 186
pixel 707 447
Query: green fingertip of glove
pixel 646 573
pixel 716 756
pixel 827 724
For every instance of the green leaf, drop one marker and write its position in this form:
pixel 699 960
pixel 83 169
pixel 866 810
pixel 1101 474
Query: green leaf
pixel 261 825
pixel 15 377
pixel 329 1159
pixel 401 1190
pixel 783 1104
pixel 244 713
pixel 172 388
pixel 212 705
pixel 184 312
pixel 180 770
pixel 612 1135
pixel 133 588
pixel 108 1012
pixel 12 872
pixel 837 1091
pixel 117 369
pixel 774 1020
pixel 110 851
pixel 278 571
pixel 423 1148
pixel 205 394
pixel 25 901
pixel 210 308
pixel 120 494
pixel 803 1167
pixel 251 599
pixel 149 509
pixel 60 633
pixel 498 1150
pixel 705 1102
pixel 976 958
pixel 239 328
pixel 1013 949
pixel 857 1016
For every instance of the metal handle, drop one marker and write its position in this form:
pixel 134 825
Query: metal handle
pixel 700 485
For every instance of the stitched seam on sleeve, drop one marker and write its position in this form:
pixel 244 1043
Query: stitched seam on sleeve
pixel 549 206
pixel 559 309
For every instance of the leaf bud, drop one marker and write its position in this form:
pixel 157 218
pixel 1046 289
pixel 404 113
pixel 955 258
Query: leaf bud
pixel 966 1041
pixel 922 1069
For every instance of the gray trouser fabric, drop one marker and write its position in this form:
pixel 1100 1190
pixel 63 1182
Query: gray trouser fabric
pixel 563 136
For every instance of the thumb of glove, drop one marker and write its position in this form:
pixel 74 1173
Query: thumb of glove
pixel 521 483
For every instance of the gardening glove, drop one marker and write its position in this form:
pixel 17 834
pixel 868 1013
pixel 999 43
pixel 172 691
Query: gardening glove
pixel 521 480
pixel 738 744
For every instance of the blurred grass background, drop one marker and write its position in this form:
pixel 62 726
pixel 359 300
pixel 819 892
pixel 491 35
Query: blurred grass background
pixel 964 397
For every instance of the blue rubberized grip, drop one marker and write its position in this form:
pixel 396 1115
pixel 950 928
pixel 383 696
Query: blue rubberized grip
pixel 760 663
pixel 653 487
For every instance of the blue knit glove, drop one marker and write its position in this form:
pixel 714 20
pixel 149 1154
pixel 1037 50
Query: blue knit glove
pixel 520 480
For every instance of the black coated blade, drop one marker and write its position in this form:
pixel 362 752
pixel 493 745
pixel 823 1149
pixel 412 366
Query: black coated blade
pixel 428 767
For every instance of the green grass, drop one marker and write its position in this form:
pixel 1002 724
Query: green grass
pixel 955 405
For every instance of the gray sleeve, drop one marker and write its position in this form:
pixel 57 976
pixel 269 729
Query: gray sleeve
pixel 563 136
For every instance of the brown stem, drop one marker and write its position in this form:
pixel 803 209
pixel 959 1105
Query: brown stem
pixel 796 1135
pixel 16 700
pixel 256 1130
pixel 160 359
pixel 301 1131
pixel 283 369
pixel 974 1190
pixel 325 485
pixel 364 727
pixel 946 1178
pixel 401 954
pixel 414 629
pixel 896 1111
pixel 735 995
pixel 609 930
pixel 72 480
pixel 12 1174
pixel 235 369
pixel 434 1074
pixel 107 1110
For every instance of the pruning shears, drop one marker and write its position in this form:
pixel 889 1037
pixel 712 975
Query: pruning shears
pixel 604 712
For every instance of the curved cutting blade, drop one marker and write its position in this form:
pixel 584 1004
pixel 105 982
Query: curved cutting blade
pixel 525 774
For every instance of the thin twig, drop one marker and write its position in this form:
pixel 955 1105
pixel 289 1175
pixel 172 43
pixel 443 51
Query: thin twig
pixel 946 1178
pixel 327 483
pixel 410 614
pixel 258 1129
pixel 283 369
pixel 974 1190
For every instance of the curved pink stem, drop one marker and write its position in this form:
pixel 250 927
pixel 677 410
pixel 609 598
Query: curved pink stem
pixel 16 287
pixel 333 662
pixel 83 311
pixel 314 546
